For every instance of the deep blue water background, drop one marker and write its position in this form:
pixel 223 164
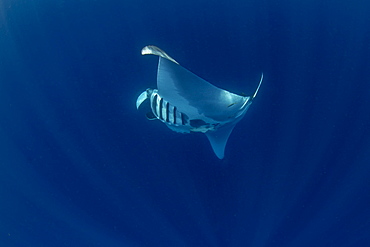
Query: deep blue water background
pixel 81 167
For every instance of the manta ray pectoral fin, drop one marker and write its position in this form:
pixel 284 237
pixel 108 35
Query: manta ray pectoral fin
pixel 153 50
pixel 259 85
pixel 218 139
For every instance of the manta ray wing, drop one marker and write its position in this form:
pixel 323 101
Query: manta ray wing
pixel 195 96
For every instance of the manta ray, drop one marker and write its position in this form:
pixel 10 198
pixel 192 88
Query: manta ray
pixel 186 103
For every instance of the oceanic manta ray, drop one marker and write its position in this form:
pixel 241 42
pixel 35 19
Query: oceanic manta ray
pixel 187 103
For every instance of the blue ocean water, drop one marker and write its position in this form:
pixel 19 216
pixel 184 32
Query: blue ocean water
pixel 80 166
